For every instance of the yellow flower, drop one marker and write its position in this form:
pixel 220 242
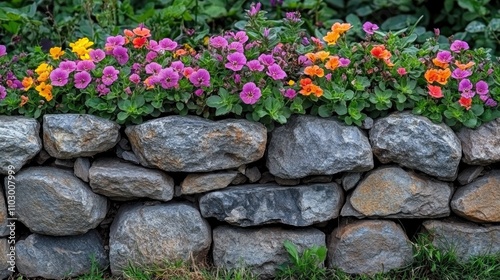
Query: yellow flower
pixel 27 83
pixel 291 82
pixel 81 48
pixel 322 55
pixel 45 91
pixel 56 52
pixel 43 77
pixel 44 67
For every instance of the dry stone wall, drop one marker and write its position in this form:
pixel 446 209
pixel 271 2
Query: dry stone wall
pixel 183 187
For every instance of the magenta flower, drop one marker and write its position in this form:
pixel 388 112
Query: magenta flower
pixel 254 65
pixel 266 32
pixel 218 42
pixel 460 74
pixel 304 61
pixel 168 78
pixel 369 27
pixel 464 84
pixel 290 93
pixel 236 47
pixel 59 77
pixel 292 17
pixel 153 46
pixel 250 93
pixel 458 46
pixel 3 51
pixel 254 9
pixel 266 59
pixel 274 71
pixel 200 78
pixel 444 56
pixel 166 44
pixel 109 75
pixel 97 55
pixel 467 94
pixel 150 56
pixel 484 98
pixel 344 62
pixel 236 61
pixel 134 78
pixel 68 66
pixel 177 66
pixel 328 76
pixel 102 89
pixel 491 103
pixel 402 71
pixel 82 79
pixel 3 92
pixel 121 55
pixel 482 88
pixel 241 36
pixel 114 41
pixel 85 65
pixel 153 68
pixel 198 92
pixel 237 78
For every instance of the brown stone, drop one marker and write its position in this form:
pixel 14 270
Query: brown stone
pixel 204 182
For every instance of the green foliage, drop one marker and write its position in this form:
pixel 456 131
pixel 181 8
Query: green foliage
pixel 96 273
pixel 306 266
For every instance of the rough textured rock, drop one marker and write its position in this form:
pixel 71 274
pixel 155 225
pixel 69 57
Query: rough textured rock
pixel 129 156
pixel 286 182
pixel 60 257
pixel 251 205
pixel 7 260
pixel 52 201
pixel 240 179
pixel 394 193
pixel 317 179
pixel 465 239
pixel 416 142
pixel 259 249
pixel 253 174
pixel 19 142
pixel 148 234
pixel 42 157
pixel 4 230
pixel 204 182
pixel 469 174
pixel 266 178
pixel 64 163
pixel 309 145
pixel 479 201
pixel 68 136
pixel 194 144
pixel 125 181
pixel 481 146
pixel 350 179
pixel 81 169
pixel 349 211
pixel 369 247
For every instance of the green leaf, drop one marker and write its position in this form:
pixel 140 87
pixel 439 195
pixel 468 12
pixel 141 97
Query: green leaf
pixel 448 5
pixel 340 109
pixel 494 24
pixel 364 11
pixel 398 22
pixel 214 101
pixel 324 111
pixel 477 109
pixel 179 106
pixel 237 109
pixel 215 11
pixel 221 111
pixel 122 116
pixel 471 123
pixel 475 27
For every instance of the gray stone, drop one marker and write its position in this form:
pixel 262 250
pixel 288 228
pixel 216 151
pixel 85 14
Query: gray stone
pixel 260 250
pixel 194 144
pixel 416 142
pixel 253 174
pixel 42 157
pixel 7 259
pixel 19 142
pixel 125 181
pixel 369 247
pixel 124 144
pixel 367 123
pixel 266 178
pixel 68 136
pixel 52 201
pixel 251 205
pixel 60 257
pixel 479 201
pixel 392 192
pixel 465 239
pixel 151 234
pixel 349 211
pixel 317 179
pixel 64 163
pixel 309 145
pixel 81 169
pixel 131 157
pixel 350 179
pixel 240 179
pixel 4 230
pixel 481 146
pixel 205 182
pixel 287 182
pixel 468 175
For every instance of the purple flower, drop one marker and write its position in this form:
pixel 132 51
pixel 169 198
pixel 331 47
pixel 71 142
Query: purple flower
pixel 109 75
pixel 3 51
pixel 276 2
pixel 484 97
pixel 304 61
pixel 97 55
pixel 266 32
pixel 167 44
pixel 218 42
pixel 102 89
pixel 3 92
pixel 460 74
pixel 200 78
pixel 444 56
pixel 153 68
pixel 121 55
pixel 266 59
pixel 254 9
pixel 241 36
pixel 198 92
pixel 82 79
pixel 464 84
pixel 490 102
pixel 85 65
pixel 305 41
pixel 128 91
pixel 168 78
pixel 328 76
pixel 250 93
pixel 458 46
pixel 134 78
pixel 150 56
pixel 235 46
pixel 236 61
pixel 68 66
pixel 292 17
pixel 177 66
pixel 114 41
pixel 482 88
pixel 153 46
pixel 59 77
pixel 237 78
pixel 254 65
pixel 290 93
pixel 344 62
pixel 274 71
pixel 370 28
pixel 467 94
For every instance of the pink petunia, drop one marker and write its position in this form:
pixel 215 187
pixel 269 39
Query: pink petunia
pixel 200 78
pixel 236 61
pixel 82 79
pixel 59 77
pixel 274 71
pixel 250 93
pixel 109 75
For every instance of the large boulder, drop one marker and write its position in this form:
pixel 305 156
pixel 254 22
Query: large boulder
pixel 464 239
pixel 309 145
pixel 251 205
pixel 147 233
pixel 19 142
pixel 416 142
pixel 60 257
pixel 52 201
pixel 260 250
pixel 7 259
pixel 369 247
pixel 479 201
pixel 392 192
pixel 68 136
pixel 481 146
pixel 125 181
pixel 194 144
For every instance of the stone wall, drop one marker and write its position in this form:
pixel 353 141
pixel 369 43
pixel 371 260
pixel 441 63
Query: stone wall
pixel 185 187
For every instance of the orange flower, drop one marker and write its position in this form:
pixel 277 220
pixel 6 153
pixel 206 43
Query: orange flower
pixel 142 31
pixel 27 83
pixel 314 71
pixel 322 55
pixel 56 52
pixel 148 84
pixel 439 63
pixel 24 100
pixel 180 52
pixel 437 75
pixel 311 88
pixel 45 90
pixel 331 38
pixel 464 66
pixel 44 76
pixel 128 33
pixel 311 57
pixel 332 63
pixel 380 52
pixel 341 27
pixel 305 82
pixel 317 91
pixel 435 91
pixel 465 102
pixel 318 43
pixel 139 42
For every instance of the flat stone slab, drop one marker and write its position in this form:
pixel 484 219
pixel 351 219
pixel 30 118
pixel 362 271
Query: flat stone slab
pixel 205 182
pixel 481 146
